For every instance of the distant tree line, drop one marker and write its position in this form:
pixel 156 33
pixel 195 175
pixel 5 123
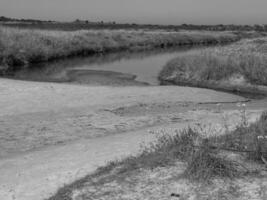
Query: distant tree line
pixel 7 19
pixel 86 24
pixel 219 27
pixel 229 27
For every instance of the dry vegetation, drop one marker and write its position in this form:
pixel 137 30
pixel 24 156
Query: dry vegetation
pixel 242 63
pixel 19 47
pixel 186 160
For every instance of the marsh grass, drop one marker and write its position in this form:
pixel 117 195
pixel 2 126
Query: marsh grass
pixel 246 59
pixel 20 47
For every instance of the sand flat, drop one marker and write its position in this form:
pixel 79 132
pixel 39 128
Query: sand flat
pixel 52 134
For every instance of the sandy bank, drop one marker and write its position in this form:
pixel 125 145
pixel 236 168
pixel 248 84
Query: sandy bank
pixel 52 134
pixel 21 97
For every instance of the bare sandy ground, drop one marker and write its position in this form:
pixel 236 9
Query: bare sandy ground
pixel 51 134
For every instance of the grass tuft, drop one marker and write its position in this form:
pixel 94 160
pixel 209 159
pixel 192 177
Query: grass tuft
pixel 164 152
pixel 251 139
pixel 206 163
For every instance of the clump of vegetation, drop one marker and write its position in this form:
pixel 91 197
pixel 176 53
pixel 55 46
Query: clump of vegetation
pixel 165 151
pixel 202 156
pixel 251 139
pixel 205 164
pixel 242 63
pixel 20 47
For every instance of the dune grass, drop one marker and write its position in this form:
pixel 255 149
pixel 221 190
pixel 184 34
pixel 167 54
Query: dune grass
pixel 251 139
pixel 20 47
pixel 202 156
pixel 245 60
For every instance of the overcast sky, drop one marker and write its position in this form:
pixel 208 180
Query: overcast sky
pixel 141 11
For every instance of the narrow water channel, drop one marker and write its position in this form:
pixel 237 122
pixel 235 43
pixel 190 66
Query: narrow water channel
pixel 124 68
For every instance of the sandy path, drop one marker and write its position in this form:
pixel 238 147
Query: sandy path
pixel 36 175
pixel 35 116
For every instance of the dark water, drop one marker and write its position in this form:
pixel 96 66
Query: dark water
pixel 125 68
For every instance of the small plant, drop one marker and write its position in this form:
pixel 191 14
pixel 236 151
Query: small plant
pixel 205 164
pixel 243 115
pixel 246 138
pixel 166 150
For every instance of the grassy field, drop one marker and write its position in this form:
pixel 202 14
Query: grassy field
pixel 242 63
pixel 21 47
pixel 187 159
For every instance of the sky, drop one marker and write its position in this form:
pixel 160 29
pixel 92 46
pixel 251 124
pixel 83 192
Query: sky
pixel 141 11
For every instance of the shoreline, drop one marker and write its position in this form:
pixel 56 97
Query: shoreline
pixel 249 91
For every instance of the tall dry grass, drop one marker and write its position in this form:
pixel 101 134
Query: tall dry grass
pixel 204 157
pixel 24 46
pixel 246 59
